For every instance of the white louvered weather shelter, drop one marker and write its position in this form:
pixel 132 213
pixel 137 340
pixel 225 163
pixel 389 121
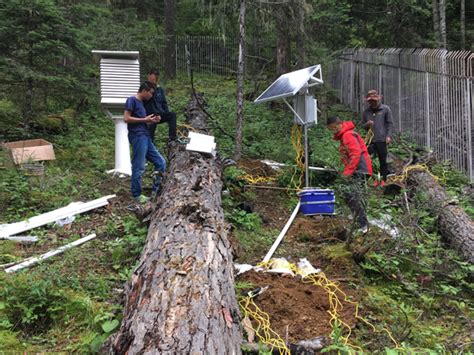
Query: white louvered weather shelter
pixel 119 79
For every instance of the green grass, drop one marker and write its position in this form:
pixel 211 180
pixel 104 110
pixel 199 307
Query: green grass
pixel 72 302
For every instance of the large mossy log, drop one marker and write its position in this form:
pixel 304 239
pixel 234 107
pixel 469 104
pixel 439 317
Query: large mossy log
pixel 453 222
pixel 181 297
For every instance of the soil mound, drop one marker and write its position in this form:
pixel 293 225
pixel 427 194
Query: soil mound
pixel 295 307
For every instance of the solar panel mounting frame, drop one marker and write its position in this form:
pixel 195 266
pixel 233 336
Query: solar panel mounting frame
pixel 312 77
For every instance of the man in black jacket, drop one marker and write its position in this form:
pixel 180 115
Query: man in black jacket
pixel 158 105
pixel 378 118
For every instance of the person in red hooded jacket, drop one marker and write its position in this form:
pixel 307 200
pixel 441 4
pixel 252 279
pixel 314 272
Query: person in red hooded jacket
pixel 357 167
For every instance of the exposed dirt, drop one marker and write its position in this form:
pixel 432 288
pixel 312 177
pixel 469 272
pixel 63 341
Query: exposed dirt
pixel 271 206
pixel 295 307
pixel 256 168
pixel 318 229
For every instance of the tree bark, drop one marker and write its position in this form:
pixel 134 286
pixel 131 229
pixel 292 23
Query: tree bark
pixel 463 24
pixel 284 20
pixel 181 298
pixel 170 40
pixel 283 53
pixel 453 223
pixel 435 9
pixel 442 22
pixel 300 36
pixel 240 84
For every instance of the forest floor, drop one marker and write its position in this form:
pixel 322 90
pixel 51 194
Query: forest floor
pixel 415 291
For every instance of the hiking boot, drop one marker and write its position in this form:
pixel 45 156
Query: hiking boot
pixel 363 229
pixel 142 199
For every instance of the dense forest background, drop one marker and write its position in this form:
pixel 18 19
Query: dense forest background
pixel 47 67
pixel 414 287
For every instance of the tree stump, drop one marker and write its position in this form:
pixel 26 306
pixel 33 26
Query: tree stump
pixel 181 297
pixel 453 222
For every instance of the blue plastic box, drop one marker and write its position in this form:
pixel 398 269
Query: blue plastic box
pixel 316 201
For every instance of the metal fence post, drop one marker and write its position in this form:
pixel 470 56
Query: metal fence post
pixel 399 100
pixel 469 112
pixel 380 79
pixel 427 92
pixel 432 80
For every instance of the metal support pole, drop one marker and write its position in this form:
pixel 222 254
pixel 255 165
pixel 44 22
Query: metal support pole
pixel 293 110
pixel 306 156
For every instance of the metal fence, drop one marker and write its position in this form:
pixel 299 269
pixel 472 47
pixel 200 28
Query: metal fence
pixel 430 92
pixel 208 54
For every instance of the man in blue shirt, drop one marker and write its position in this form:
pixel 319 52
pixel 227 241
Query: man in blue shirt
pixel 159 106
pixel 139 137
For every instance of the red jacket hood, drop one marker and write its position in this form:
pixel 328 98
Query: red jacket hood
pixel 346 126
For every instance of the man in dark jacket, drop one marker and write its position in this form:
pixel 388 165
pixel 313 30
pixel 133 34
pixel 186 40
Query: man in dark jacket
pixel 357 167
pixel 159 106
pixel 378 118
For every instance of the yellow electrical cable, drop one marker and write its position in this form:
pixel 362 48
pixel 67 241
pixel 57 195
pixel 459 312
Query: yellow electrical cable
pixel 263 331
pixel 335 307
pixel 369 137
pixel 191 128
pixel 257 179
pixel 299 150
pixel 182 127
pixel 404 175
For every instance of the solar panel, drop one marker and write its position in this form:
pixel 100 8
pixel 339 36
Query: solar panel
pixel 290 83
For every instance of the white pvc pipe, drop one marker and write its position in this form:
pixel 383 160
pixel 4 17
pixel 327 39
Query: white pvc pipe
pixel 49 254
pixel 122 148
pixel 314 168
pixel 282 233
pixel 7 230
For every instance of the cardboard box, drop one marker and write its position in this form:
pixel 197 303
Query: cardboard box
pixel 30 150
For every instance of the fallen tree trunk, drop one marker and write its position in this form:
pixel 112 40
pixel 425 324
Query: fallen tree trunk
pixel 181 297
pixel 453 222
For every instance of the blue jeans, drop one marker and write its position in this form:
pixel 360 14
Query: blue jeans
pixel 143 149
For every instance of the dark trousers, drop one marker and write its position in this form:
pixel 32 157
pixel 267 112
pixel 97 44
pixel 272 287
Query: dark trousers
pixel 353 194
pixel 380 148
pixel 168 117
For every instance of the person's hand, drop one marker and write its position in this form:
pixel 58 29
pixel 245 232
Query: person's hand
pixel 370 123
pixel 388 140
pixel 157 118
pixel 150 118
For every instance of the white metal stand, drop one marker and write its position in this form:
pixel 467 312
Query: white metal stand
pixel 123 164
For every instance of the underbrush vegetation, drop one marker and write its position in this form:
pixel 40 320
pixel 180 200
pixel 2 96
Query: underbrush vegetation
pixel 412 284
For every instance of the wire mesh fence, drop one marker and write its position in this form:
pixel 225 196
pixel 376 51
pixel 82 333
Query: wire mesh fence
pixel 430 92
pixel 207 54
